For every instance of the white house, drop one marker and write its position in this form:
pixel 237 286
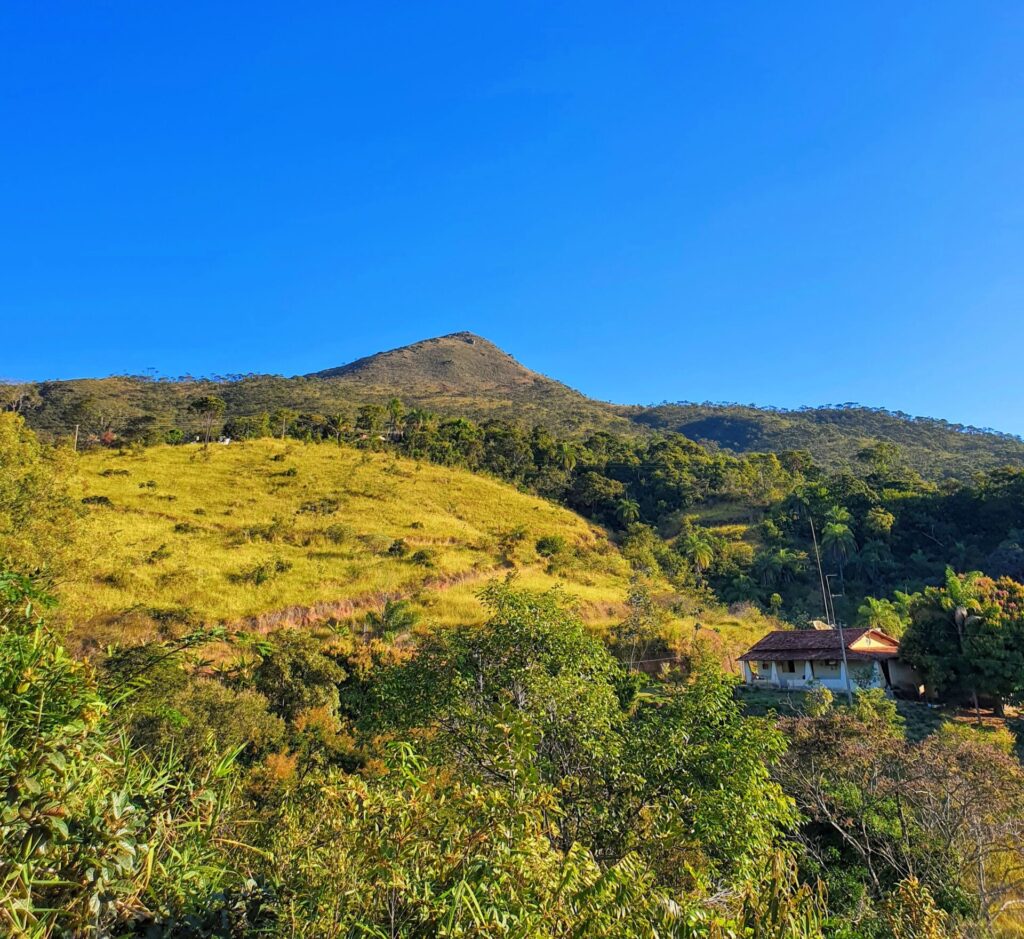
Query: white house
pixel 794 658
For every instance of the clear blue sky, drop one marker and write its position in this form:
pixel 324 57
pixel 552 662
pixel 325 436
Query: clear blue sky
pixel 781 203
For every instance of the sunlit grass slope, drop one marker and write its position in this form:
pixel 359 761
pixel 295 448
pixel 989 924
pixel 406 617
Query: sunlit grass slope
pixel 267 532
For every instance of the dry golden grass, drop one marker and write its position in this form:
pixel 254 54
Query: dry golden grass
pixel 268 532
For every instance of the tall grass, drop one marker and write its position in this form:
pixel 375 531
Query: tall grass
pixel 236 532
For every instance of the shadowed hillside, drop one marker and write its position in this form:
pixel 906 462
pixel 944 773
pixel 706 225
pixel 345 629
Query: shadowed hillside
pixel 835 435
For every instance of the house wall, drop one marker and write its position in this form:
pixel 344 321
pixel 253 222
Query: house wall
pixel 904 678
pixel 874 643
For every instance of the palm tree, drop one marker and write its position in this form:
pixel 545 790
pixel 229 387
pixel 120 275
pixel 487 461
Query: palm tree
pixel 871 558
pixel 335 424
pixel 790 563
pixel 839 514
pixel 780 565
pixel 697 550
pixel 565 456
pixel 627 512
pixel 838 541
pixel 768 566
pixel 396 616
pixel 395 411
pixel 959 601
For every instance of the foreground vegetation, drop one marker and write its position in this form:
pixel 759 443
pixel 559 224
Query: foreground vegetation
pixel 510 779
pixel 495 766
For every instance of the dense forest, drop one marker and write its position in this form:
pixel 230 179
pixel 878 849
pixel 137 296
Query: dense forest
pixel 518 776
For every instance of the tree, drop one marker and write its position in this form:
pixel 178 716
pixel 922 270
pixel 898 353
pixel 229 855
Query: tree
pixel 627 512
pixel 393 618
pixel 208 408
pixel 417 851
pixel 779 565
pixel 565 456
pixel 879 521
pixel 250 427
pixel 872 559
pixel 295 674
pixel 596 495
pixel 697 548
pixel 641 631
pixel 396 410
pixel 948 811
pixel 891 618
pixel 370 420
pixel 837 540
pixel 40 516
pixel 534 698
pixel 283 418
pixel 967 637
pixel 93 830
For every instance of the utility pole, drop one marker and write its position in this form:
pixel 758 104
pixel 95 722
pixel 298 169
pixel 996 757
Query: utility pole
pixel 842 644
pixel 830 616
pixel 76 438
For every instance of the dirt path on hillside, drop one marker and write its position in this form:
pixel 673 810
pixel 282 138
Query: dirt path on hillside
pixel 310 615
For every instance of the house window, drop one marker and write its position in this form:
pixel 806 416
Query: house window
pixel 790 666
pixel 766 667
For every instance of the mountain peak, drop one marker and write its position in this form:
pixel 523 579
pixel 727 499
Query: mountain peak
pixel 460 361
pixel 467 374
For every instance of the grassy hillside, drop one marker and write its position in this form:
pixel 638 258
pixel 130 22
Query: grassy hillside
pixel 270 533
pixel 267 533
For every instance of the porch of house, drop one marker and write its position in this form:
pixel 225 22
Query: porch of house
pixel 793 674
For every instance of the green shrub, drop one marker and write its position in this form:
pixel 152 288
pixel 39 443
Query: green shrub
pixel 325 506
pixel 161 553
pixel 818 700
pixel 872 706
pixel 549 546
pixel 423 557
pixel 88 824
pixel 399 548
pixel 337 534
pixel 260 573
pixel 295 675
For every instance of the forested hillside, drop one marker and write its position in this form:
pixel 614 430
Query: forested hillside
pixel 834 435
pixel 463 375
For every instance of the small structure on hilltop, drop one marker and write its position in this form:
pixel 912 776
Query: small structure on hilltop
pixel 793 659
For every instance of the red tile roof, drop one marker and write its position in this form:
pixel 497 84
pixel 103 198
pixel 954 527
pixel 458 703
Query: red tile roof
pixel 813 644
